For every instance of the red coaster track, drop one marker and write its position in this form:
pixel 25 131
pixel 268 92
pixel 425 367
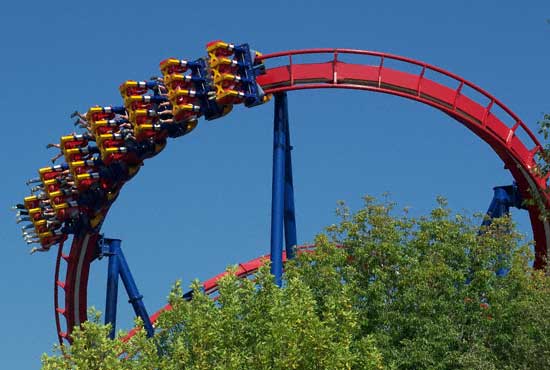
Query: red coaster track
pixel 480 117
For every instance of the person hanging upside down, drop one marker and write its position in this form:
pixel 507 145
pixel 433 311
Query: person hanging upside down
pixel 81 121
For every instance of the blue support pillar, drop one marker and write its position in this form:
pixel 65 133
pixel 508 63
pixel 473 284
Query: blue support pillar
pixel 504 197
pixel 278 188
pixel 119 267
pixel 289 213
pixel 282 198
pixel 500 205
pixel 112 288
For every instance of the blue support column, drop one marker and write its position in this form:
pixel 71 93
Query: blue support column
pixel 289 212
pixel 283 218
pixel 504 197
pixel 278 187
pixel 119 267
pixel 500 205
pixel 112 287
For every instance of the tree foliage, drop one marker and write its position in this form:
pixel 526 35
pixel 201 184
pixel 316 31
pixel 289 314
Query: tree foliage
pixel 379 291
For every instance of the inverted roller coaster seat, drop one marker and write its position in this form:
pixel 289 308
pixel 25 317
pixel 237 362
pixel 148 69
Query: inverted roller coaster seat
pixel 109 145
pixel 31 202
pixel 234 69
pixel 106 181
pixel 66 210
pixel 44 227
pixel 80 154
pixel 58 187
pixel 113 148
pixel 36 214
pixel 60 197
pixel 121 154
pixel 52 172
pixel 52 178
pixel 52 186
pixel 82 167
pixel 185 107
pixel 47 240
pixel 190 90
pixel 75 149
pixel 137 102
pixel 37 211
pixel 41 226
pixel 46 236
pixel 130 88
pixel 73 141
pixel 105 126
pixel 102 120
pixel 97 112
pixel 181 90
pixel 55 179
pixel 84 181
pixel 146 124
pixel 63 180
pixel 144 110
pixel 105 120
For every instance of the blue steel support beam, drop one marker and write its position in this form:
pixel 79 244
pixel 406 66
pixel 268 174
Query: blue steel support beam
pixel 112 285
pixel 133 294
pixel 118 267
pixel 289 212
pixel 278 188
pixel 499 207
pixel 504 197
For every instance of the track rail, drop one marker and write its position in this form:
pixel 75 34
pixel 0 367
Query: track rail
pixel 486 119
pixel 210 286
pixel 485 115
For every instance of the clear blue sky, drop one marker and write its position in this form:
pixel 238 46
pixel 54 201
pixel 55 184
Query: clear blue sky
pixel 204 202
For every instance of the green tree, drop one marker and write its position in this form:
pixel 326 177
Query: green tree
pixel 379 291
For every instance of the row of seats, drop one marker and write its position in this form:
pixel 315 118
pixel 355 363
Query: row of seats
pixel 116 140
pixel 190 90
pixel 234 69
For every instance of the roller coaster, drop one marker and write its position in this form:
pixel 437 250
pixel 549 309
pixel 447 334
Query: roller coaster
pixel 71 200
